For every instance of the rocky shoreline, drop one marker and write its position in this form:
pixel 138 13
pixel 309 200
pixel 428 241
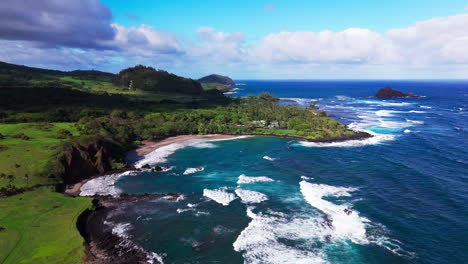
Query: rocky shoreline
pixel 102 244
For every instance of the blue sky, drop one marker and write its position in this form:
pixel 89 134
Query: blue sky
pixel 295 39
pixel 258 18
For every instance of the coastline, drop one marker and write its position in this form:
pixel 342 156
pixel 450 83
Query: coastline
pixel 102 246
pixel 148 146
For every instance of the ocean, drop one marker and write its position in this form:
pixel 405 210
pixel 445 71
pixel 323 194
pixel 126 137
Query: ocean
pixel 398 197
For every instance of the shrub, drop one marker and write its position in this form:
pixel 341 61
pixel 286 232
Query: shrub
pixel 21 136
pixel 2 136
pixel 45 126
pixel 63 134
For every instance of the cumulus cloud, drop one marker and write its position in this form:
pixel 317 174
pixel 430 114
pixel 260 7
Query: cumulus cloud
pixel 438 40
pixel 218 47
pixel 354 45
pixel 144 41
pixel 435 41
pixel 25 53
pixel 74 23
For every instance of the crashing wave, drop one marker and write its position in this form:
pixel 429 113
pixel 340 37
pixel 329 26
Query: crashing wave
pixel 345 226
pixel 269 158
pixel 205 145
pixel 193 170
pixel 248 196
pixel 220 196
pixel 261 241
pixel 104 185
pixel 160 155
pixel 122 230
pixel 243 179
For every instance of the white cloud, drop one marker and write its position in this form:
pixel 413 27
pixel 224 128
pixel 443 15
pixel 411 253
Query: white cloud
pixel 145 41
pixel 354 45
pixel 218 47
pixel 437 45
pixel 436 41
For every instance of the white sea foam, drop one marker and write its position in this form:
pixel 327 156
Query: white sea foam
pixel 415 121
pixel 220 196
pixel 374 140
pixel 306 178
pixel 343 97
pixel 269 158
pixel 248 179
pixel 386 112
pixel 393 124
pixel 180 210
pixel 345 226
pixel 121 230
pixel 193 170
pixel 425 107
pixel 302 101
pixel 248 196
pixel 260 242
pixel 384 103
pixel 407 131
pixel 104 185
pixel 416 112
pixel 205 145
pixel 160 155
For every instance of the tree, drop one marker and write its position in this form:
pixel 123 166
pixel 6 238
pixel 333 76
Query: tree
pixel 8 177
pixel 26 176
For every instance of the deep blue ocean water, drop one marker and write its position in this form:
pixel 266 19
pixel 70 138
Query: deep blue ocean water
pixel 407 187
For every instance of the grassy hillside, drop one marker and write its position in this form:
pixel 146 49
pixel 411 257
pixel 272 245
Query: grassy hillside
pixel 40 227
pixel 26 159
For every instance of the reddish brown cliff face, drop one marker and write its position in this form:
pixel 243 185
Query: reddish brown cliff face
pixel 82 161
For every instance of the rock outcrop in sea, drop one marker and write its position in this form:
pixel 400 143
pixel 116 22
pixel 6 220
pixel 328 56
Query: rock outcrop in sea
pixel 388 92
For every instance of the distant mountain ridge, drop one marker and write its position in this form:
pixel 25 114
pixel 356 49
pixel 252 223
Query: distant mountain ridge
pixel 8 68
pixel 216 78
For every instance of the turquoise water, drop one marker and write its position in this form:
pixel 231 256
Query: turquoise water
pixel 406 187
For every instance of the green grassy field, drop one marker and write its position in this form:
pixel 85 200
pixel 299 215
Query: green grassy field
pixel 20 157
pixel 40 227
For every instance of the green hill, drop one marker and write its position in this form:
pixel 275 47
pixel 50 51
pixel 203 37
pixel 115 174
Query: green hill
pixel 215 78
pixel 149 79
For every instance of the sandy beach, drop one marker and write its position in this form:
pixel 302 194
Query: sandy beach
pixel 149 146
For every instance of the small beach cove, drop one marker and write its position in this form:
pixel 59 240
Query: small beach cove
pixel 210 195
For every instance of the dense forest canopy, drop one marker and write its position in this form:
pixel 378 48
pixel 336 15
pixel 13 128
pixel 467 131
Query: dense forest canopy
pixel 149 79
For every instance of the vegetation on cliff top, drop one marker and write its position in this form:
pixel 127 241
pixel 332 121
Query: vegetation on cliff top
pixel 216 78
pixel 149 79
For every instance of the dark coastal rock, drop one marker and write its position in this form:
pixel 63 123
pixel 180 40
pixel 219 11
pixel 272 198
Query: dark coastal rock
pixel 146 166
pixel 388 92
pixel 101 245
pixel 358 135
